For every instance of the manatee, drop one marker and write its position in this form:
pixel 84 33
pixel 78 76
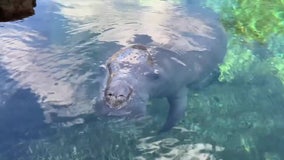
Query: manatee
pixel 139 72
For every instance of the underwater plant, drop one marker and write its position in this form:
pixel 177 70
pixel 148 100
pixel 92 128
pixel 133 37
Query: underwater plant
pixel 240 61
pixel 237 60
pixel 260 21
pixel 276 66
pixel 255 20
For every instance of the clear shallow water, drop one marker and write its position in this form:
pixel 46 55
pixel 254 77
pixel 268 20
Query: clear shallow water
pixel 49 69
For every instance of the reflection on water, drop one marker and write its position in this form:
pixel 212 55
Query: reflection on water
pixel 49 72
pixel 60 71
pixel 44 70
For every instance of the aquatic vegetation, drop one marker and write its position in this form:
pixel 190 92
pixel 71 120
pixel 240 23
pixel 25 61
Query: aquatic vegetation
pixel 275 63
pixel 79 143
pixel 237 60
pixel 233 116
pixel 247 143
pixel 276 66
pixel 275 45
pixel 271 156
pixel 240 62
pixel 255 20
pixel 261 21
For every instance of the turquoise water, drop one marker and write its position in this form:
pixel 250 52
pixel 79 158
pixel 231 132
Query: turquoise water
pixel 48 82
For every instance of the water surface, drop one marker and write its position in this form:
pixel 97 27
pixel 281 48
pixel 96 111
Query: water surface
pixel 49 69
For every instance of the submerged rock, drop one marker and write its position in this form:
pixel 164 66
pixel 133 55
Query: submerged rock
pixel 16 9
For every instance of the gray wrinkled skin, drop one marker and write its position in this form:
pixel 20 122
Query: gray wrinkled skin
pixel 124 93
pixel 185 58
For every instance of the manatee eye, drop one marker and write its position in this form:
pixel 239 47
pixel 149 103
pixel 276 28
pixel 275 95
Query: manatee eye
pixel 153 75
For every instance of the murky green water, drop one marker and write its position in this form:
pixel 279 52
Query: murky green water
pixel 49 72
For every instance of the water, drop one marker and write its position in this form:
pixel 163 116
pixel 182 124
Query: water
pixel 49 69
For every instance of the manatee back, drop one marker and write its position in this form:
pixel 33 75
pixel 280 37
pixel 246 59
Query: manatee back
pixel 193 49
pixel 133 59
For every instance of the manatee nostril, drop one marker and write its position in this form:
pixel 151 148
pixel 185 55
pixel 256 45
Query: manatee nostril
pixel 121 98
pixel 117 94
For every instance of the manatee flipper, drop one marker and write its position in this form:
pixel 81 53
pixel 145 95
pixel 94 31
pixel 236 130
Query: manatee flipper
pixel 178 103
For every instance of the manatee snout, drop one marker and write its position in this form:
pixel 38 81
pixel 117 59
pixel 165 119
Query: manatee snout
pixel 117 94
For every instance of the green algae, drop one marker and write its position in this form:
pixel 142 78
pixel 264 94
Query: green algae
pixel 255 20
pixel 259 21
pixel 275 45
pixel 237 60
pixel 240 61
pixel 276 66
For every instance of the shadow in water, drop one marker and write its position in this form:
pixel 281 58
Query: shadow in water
pixel 21 120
